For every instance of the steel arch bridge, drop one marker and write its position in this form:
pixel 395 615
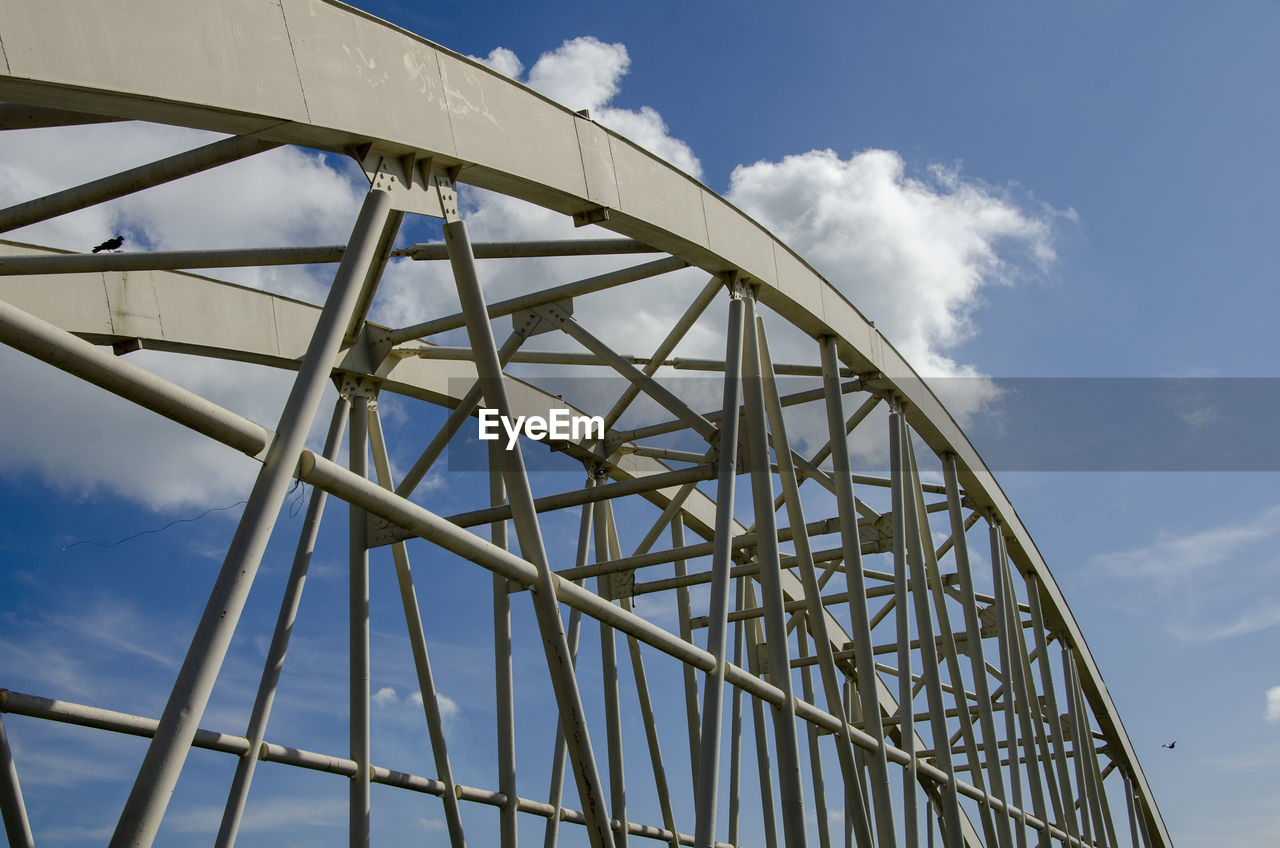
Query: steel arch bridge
pixel 838 627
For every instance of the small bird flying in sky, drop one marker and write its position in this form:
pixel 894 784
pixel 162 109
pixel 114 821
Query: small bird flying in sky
pixel 110 244
pixel 1170 745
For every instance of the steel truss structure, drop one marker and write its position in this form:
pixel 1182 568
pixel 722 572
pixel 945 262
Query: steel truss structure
pixel 846 624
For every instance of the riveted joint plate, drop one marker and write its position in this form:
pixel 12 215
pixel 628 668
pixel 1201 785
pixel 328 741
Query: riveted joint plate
pixel 416 183
pixel 618 585
pixel 532 323
pixel 357 385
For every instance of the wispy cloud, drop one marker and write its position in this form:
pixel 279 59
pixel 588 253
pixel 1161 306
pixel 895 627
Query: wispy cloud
pixel 1259 617
pixel 1172 555
pixel 262 816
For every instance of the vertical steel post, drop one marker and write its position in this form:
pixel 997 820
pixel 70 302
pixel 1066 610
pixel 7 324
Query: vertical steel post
pixel 684 611
pixel 1015 677
pixel 504 683
pixel 609 683
pixel 763 768
pixel 1133 819
pixel 1070 823
pixel 995 534
pixel 358 631
pixel 418 644
pixel 646 704
pixel 140 818
pixel 735 723
pixel 274 665
pixel 816 613
pixel 856 587
pixel 815 753
pixel 947 639
pixel 1082 788
pixel 1104 829
pixel 707 773
pixel 1106 805
pixel 556 791
pixel 790 787
pixel 906 710
pixel 918 540
pixel 973 647
pixel 16 825
pixel 546 608
pixel 1083 743
pixel 1035 709
pixel 1142 824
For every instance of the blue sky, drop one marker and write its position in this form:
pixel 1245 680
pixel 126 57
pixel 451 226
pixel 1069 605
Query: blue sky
pixel 1126 152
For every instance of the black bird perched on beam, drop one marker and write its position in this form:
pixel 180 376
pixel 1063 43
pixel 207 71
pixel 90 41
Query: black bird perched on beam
pixel 110 244
pixel 1170 745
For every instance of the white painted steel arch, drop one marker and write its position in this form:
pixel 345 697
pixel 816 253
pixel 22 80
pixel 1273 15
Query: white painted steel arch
pixel 281 73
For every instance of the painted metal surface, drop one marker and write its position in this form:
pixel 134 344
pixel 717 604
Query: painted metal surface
pixel 284 72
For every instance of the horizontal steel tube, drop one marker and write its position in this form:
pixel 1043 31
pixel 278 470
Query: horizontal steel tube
pixel 80 263
pixel 563 500
pixel 527 249
pixel 550 357
pixel 538 298
pixel 92 263
pixel 81 715
pixel 699 549
pixel 714 415
pixel 48 343
pixel 782 369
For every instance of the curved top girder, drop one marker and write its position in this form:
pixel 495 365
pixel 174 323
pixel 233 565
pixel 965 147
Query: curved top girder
pixel 324 75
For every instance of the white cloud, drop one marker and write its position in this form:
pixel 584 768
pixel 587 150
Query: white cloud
pixel 1273 704
pixel 582 73
pixel 448 706
pixel 1184 554
pixel 502 60
pixel 912 253
pixel 285 196
pixel 585 73
pixel 384 697
pixel 122 448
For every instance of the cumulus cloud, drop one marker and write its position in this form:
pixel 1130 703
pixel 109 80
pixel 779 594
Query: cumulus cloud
pixel 448 706
pixel 387 697
pixel 502 60
pixel 586 73
pixel 384 697
pixel 123 448
pixel 912 253
pixel 285 196
pixel 1273 704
